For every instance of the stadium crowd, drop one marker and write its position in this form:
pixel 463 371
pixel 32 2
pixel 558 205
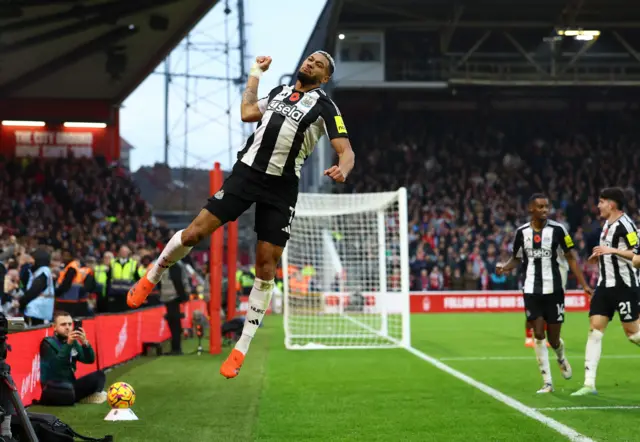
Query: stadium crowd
pixel 469 179
pixel 81 205
pixel 54 212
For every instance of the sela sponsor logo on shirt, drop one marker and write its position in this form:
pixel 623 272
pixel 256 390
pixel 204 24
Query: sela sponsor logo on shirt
pixel 538 253
pixel 286 109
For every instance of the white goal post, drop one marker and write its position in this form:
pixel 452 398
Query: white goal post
pixel 346 272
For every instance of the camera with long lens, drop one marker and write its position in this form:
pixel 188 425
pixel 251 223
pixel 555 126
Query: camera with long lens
pixel 8 390
pixel 8 325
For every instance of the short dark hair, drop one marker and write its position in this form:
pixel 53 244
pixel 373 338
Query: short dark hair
pixel 615 194
pixel 59 313
pixel 537 196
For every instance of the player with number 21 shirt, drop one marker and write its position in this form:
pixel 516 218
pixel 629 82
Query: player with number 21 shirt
pixel 291 120
pixel 617 289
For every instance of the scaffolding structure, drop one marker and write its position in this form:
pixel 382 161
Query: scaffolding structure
pixel 206 74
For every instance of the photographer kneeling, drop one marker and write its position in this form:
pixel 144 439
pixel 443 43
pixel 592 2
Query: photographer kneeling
pixel 58 356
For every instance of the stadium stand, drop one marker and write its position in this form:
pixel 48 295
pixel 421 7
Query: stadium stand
pixel 82 205
pixel 469 180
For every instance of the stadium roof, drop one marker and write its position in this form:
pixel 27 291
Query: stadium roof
pixel 491 42
pixel 88 49
pixel 489 13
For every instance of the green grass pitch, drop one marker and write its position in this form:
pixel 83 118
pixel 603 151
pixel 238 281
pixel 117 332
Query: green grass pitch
pixel 377 395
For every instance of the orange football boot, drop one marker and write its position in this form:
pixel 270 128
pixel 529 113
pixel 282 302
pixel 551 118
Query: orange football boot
pixel 231 367
pixel 139 292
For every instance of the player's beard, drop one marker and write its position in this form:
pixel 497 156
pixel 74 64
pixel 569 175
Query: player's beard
pixel 306 79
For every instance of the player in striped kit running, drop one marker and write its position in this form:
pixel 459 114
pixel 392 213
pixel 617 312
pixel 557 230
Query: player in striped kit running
pixel 541 245
pixel 291 120
pixel 618 288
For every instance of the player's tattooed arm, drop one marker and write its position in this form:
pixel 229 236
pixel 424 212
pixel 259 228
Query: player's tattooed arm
pixel 249 108
pixel 250 95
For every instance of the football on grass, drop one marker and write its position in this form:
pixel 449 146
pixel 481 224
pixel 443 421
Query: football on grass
pixel 121 395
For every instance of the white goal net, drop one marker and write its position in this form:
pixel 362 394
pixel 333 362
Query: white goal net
pixel 346 272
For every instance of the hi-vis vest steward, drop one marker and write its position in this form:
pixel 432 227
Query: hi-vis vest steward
pixel 101 278
pixel 42 306
pixel 122 275
pixel 76 292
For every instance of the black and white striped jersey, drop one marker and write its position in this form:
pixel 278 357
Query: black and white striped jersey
pixel 291 125
pixel 616 271
pixel 542 253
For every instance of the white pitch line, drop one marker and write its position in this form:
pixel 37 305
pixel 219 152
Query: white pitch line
pixel 566 431
pixel 611 407
pixel 522 358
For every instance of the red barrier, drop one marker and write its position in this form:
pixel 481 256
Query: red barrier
pixel 485 302
pixel 153 326
pixel 24 360
pixel 116 338
pixel 120 338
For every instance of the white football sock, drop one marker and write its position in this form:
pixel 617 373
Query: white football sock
pixel 635 338
pixel 258 303
pixel 542 355
pixel 173 252
pixel 592 357
pixel 560 350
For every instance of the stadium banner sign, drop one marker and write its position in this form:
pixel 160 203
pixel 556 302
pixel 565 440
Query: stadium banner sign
pixel 43 142
pixel 115 338
pixel 485 301
pixel 423 302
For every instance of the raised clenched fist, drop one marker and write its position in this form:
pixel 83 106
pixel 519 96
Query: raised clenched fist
pixel 263 62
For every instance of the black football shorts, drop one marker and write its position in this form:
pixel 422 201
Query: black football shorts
pixel 606 301
pixel 275 198
pixel 549 307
